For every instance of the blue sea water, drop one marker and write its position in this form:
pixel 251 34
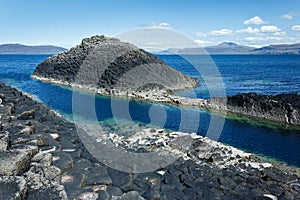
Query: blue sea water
pixel 262 74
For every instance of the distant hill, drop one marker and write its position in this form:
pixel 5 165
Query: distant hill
pixel 228 48
pixel 233 48
pixel 23 49
pixel 278 49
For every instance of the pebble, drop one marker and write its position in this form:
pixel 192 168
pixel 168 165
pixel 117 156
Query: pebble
pixel 55 136
pixel 66 179
pixel 69 150
pixel 133 195
pixel 161 173
pixel 269 196
pixel 88 196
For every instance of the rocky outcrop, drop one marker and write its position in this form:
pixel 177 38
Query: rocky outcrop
pixel 104 64
pixel 26 170
pixel 282 108
pixel 50 162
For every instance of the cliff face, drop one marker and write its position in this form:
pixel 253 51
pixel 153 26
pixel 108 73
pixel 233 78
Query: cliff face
pixel 282 108
pixel 107 63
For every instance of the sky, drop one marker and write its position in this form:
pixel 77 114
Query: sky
pixel 65 22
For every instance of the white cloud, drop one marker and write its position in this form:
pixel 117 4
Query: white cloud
pixel 200 34
pixel 269 29
pixel 249 30
pixel 256 21
pixel 270 40
pixel 290 15
pixel 162 25
pixel 296 28
pixel 274 38
pixel 266 40
pixel 254 39
pixel 280 34
pixel 221 32
pixel 201 42
pixel 287 16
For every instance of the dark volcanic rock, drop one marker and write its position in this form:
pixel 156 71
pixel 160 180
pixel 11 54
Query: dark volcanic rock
pixel 283 108
pixel 13 163
pixel 4 139
pixel 12 188
pixel 26 115
pixel 133 195
pixel 107 63
pixel 45 162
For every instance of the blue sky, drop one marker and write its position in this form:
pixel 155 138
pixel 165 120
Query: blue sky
pixel 66 22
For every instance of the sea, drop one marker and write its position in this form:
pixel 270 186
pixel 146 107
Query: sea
pixel 229 75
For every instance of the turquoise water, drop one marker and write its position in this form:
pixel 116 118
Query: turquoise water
pixel 240 73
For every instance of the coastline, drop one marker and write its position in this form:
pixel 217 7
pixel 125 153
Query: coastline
pixel 169 99
pixel 55 155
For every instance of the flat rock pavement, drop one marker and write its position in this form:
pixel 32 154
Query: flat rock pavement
pixel 42 157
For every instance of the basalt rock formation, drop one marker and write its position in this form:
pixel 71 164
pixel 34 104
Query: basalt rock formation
pixel 101 63
pixel 282 108
pixel 42 157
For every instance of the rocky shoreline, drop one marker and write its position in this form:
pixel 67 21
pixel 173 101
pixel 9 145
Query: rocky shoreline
pixel 42 157
pixel 279 110
pixel 283 109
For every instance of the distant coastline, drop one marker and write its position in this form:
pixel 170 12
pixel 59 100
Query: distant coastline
pixel 24 49
pixel 224 48
pixel 230 48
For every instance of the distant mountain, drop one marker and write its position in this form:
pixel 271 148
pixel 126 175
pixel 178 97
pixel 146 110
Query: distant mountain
pixel 278 49
pixel 228 48
pixel 23 49
pixel 233 48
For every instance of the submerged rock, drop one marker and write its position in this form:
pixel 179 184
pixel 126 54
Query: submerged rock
pixel 102 63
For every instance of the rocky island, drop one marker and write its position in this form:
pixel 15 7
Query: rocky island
pixel 109 66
